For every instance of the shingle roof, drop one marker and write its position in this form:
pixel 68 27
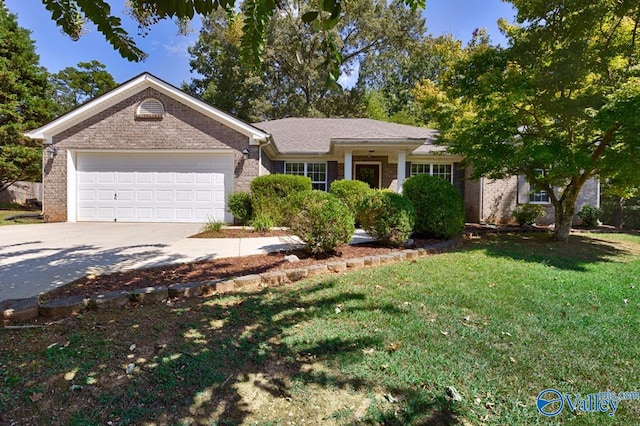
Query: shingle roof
pixel 314 135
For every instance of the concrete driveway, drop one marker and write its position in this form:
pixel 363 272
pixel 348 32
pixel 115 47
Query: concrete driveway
pixel 37 258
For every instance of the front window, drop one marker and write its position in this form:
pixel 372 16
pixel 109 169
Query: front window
pixel 539 197
pixel 444 171
pixel 317 172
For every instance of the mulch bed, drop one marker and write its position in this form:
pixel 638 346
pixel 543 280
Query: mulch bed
pixel 213 269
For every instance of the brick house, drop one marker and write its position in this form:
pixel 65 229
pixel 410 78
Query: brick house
pixel 148 152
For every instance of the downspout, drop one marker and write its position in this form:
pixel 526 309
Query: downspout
pixel 268 141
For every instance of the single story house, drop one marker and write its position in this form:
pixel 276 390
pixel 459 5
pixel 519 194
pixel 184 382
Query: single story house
pixel 148 152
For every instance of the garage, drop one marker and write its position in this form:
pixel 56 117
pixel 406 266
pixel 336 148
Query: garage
pixel 153 187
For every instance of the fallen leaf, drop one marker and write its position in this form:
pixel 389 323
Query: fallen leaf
pixel 394 347
pixel 512 359
pixel 338 310
pixel 132 347
pixel 35 397
pixel 390 398
pixel 467 318
pixel 368 351
pixel 444 333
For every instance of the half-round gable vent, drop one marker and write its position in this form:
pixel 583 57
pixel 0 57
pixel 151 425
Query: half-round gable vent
pixel 150 108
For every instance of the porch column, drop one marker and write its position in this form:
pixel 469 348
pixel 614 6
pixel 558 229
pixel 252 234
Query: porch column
pixel 348 165
pixel 402 168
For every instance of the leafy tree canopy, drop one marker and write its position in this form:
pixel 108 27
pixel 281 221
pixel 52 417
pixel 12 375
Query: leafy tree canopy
pixel 71 15
pixel 23 102
pixel 293 61
pixel 74 86
pixel 563 96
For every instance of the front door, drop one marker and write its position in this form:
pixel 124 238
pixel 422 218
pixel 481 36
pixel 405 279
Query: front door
pixel 368 173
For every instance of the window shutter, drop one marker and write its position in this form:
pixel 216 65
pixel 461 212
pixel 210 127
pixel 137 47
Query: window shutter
pixel 523 190
pixel 458 178
pixel 407 170
pixel 278 167
pixel 332 172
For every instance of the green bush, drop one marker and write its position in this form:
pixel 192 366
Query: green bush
pixel 240 206
pixel 269 193
pixel 589 216
pixel 320 220
pixel 528 213
pixel 438 205
pixel 387 217
pixel 352 193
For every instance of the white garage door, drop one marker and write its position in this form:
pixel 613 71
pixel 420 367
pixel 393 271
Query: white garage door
pixel 153 187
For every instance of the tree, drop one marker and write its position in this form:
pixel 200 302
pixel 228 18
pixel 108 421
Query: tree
pixel 74 86
pixel 23 102
pixel 71 15
pixel 563 97
pixel 293 64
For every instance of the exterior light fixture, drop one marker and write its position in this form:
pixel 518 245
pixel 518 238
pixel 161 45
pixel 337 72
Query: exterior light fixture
pixel 245 153
pixel 52 151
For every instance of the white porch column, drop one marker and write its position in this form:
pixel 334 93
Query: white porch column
pixel 402 168
pixel 348 165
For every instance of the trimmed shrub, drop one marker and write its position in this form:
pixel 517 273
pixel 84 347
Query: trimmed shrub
pixel 320 220
pixel 240 206
pixel 528 213
pixel 269 194
pixel 387 217
pixel 352 193
pixel 438 205
pixel 589 216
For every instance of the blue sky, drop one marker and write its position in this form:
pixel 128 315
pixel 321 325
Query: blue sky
pixel 168 57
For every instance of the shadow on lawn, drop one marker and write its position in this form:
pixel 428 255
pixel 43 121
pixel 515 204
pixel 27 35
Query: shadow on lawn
pixel 540 248
pixel 213 350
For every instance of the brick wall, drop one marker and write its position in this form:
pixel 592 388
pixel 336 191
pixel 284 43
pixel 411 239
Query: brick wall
pixel 118 128
pixel 499 199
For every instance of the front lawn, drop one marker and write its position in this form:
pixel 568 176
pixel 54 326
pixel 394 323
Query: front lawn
pixel 500 320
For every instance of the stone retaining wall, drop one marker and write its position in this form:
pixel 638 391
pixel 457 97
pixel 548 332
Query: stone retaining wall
pixel 24 310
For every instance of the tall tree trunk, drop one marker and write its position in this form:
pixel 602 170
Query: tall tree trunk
pixel 618 213
pixel 564 208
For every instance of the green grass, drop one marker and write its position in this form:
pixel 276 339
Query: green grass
pixel 6 213
pixel 500 320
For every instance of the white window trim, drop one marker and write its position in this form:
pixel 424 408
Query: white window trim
pixel 430 168
pixel 531 193
pixel 306 171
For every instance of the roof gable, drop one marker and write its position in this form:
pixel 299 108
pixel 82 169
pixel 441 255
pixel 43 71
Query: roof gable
pixel 130 88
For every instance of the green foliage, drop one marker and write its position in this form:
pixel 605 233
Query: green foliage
pixel 262 223
pixel 75 86
pixel 269 194
pixel 438 205
pixel 321 220
pixel 213 225
pixel 622 213
pixel 296 59
pixel 528 213
pixel 352 193
pixel 23 103
pixel 589 216
pixel 562 97
pixel 388 217
pixel 241 206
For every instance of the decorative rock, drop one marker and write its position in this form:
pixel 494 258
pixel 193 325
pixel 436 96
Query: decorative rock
pixel 186 290
pixel 399 256
pixel 338 266
pixel 150 294
pixel 422 252
pixel 19 310
pixel 355 263
pixel 271 279
pixel 292 258
pixel 296 274
pixel 385 258
pixel 111 300
pixel 316 270
pixel 248 282
pixel 371 261
pixel 411 254
pixel 62 308
pixel 226 286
